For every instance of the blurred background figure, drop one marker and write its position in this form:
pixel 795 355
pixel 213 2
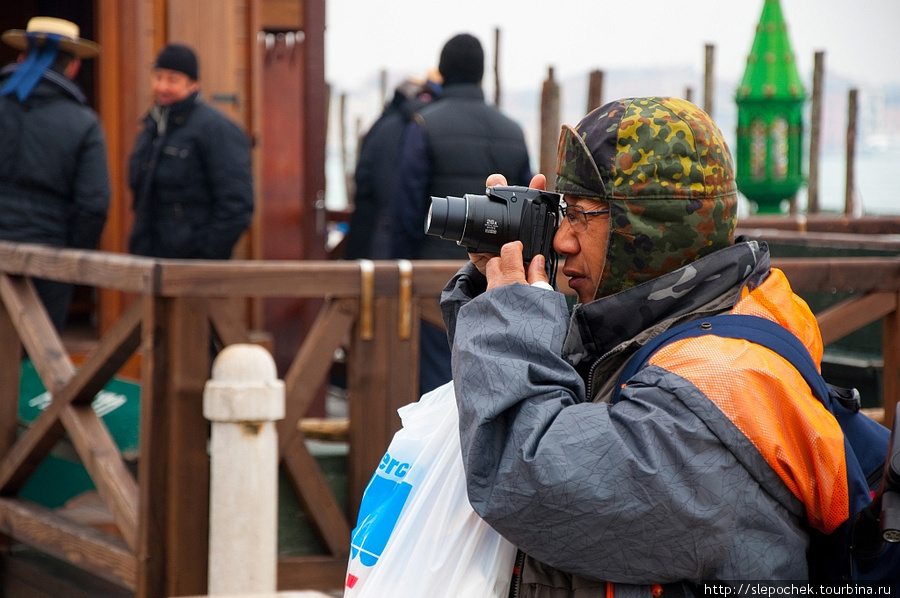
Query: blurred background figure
pixel 54 178
pixel 189 171
pixel 450 148
pixel 376 167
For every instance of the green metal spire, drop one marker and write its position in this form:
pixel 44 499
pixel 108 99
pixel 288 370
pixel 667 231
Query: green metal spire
pixel 771 69
pixel 770 118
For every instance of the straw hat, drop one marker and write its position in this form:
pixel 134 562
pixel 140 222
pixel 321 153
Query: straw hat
pixel 43 26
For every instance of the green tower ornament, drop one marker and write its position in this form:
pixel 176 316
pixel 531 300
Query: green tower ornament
pixel 770 118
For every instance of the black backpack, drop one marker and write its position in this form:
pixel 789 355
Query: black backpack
pixel 866 547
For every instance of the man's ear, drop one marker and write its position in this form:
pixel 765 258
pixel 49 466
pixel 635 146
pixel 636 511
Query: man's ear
pixel 72 70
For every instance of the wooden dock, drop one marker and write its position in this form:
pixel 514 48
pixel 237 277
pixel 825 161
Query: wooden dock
pixel 146 533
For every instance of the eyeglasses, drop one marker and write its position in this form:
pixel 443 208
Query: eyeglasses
pixel 576 216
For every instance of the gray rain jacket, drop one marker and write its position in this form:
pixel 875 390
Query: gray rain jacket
pixel 661 488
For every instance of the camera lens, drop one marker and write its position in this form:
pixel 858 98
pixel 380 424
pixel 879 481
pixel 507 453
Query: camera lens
pixel 447 217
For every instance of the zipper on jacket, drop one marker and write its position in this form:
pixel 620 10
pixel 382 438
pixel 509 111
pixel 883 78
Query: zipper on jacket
pixel 516 582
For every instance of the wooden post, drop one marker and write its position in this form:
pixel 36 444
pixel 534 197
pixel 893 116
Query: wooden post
pixel 595 90
pixel 345 161
pixel 549 128
pixel 815 125
pixel 384 368
pixel 243 400
pixel 10 380
pixel 890 353
pixel 708 80
pixel 497 67
pixel 850 188
pixel 384 89
pixel 689 94
pixel 174 465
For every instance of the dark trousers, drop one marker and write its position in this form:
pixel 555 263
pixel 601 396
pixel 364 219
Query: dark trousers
pixel 56 297
pixel 434 358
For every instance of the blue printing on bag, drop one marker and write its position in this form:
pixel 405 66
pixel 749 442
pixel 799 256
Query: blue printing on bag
pixel 379 510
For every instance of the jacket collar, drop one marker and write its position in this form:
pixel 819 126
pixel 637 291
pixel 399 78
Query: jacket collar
pixel 66 85
pixel 468 91
pixel 175 113
pixel 601 325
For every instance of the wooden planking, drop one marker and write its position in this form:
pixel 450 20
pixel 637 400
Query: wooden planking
pixel 10 374
pixel 36 332
pixel 307 372
pixel 91 268
pixel 98 553
pixel 152 467
pixel 838 321
pixel 224 314
pixel 841 274
pixel 815 240
pixel 311 572
pixel 282 15
pixel 252 278
pixel 890 352
pixel 312 364
pixel 317 498
pixel 104 463
pixel 383 376
pixel 43 433
pixel 430 276
pixel 187 433
pixel 824 223
pixel 31 574
pixel 174 464
pixel 430 311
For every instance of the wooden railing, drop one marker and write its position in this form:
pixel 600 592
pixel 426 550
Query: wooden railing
pixel 371 309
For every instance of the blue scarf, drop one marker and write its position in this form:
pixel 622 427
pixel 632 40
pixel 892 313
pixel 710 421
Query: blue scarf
pixel 23 81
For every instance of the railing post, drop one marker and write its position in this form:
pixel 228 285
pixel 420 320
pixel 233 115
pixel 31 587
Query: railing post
pixel 243 400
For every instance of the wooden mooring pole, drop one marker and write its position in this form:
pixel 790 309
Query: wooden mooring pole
pixel 595 90
pixel 549 128
pixel 815 125
pixel 850 206
pixel 497 67
pixel 709 81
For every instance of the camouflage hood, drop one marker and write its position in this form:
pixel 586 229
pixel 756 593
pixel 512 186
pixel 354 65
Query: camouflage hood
pixel 667 174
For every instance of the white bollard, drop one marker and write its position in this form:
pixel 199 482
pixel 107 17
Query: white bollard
pixel 243 400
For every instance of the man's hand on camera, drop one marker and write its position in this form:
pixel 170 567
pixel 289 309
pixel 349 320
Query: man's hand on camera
pixel 508 268
pixel 481 260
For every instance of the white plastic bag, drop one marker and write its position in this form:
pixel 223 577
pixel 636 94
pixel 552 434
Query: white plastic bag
pixel 417 535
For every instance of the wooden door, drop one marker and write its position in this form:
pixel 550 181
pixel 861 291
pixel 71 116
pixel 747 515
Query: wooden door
pixel 217 30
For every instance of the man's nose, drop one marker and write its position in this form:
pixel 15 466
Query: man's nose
pixel 564 240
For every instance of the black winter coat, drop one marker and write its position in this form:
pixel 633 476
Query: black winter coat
pixel 454 144
pixel 376 168
pixel 192 183
pixel 54 180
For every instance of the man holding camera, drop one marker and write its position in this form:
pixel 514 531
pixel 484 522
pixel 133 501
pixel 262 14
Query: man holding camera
pixel 716 455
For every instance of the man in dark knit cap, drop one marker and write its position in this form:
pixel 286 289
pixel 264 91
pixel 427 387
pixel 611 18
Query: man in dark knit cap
pixel 189 170
pixel 450 148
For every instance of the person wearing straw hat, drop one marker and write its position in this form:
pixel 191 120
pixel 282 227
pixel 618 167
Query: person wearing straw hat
pixel 54 177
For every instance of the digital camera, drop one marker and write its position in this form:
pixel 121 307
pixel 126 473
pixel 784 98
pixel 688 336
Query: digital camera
pixel 484 223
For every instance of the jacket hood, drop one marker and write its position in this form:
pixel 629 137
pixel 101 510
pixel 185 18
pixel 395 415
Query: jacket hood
pixel 664 168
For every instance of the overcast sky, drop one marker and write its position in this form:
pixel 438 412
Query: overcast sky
pixel 861 39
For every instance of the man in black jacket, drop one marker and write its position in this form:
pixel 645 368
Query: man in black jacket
pixel 54 178
pixel 370 225
pixel 189 171
pixel 451 147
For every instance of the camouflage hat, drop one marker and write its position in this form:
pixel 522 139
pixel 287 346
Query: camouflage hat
pixel 667 174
